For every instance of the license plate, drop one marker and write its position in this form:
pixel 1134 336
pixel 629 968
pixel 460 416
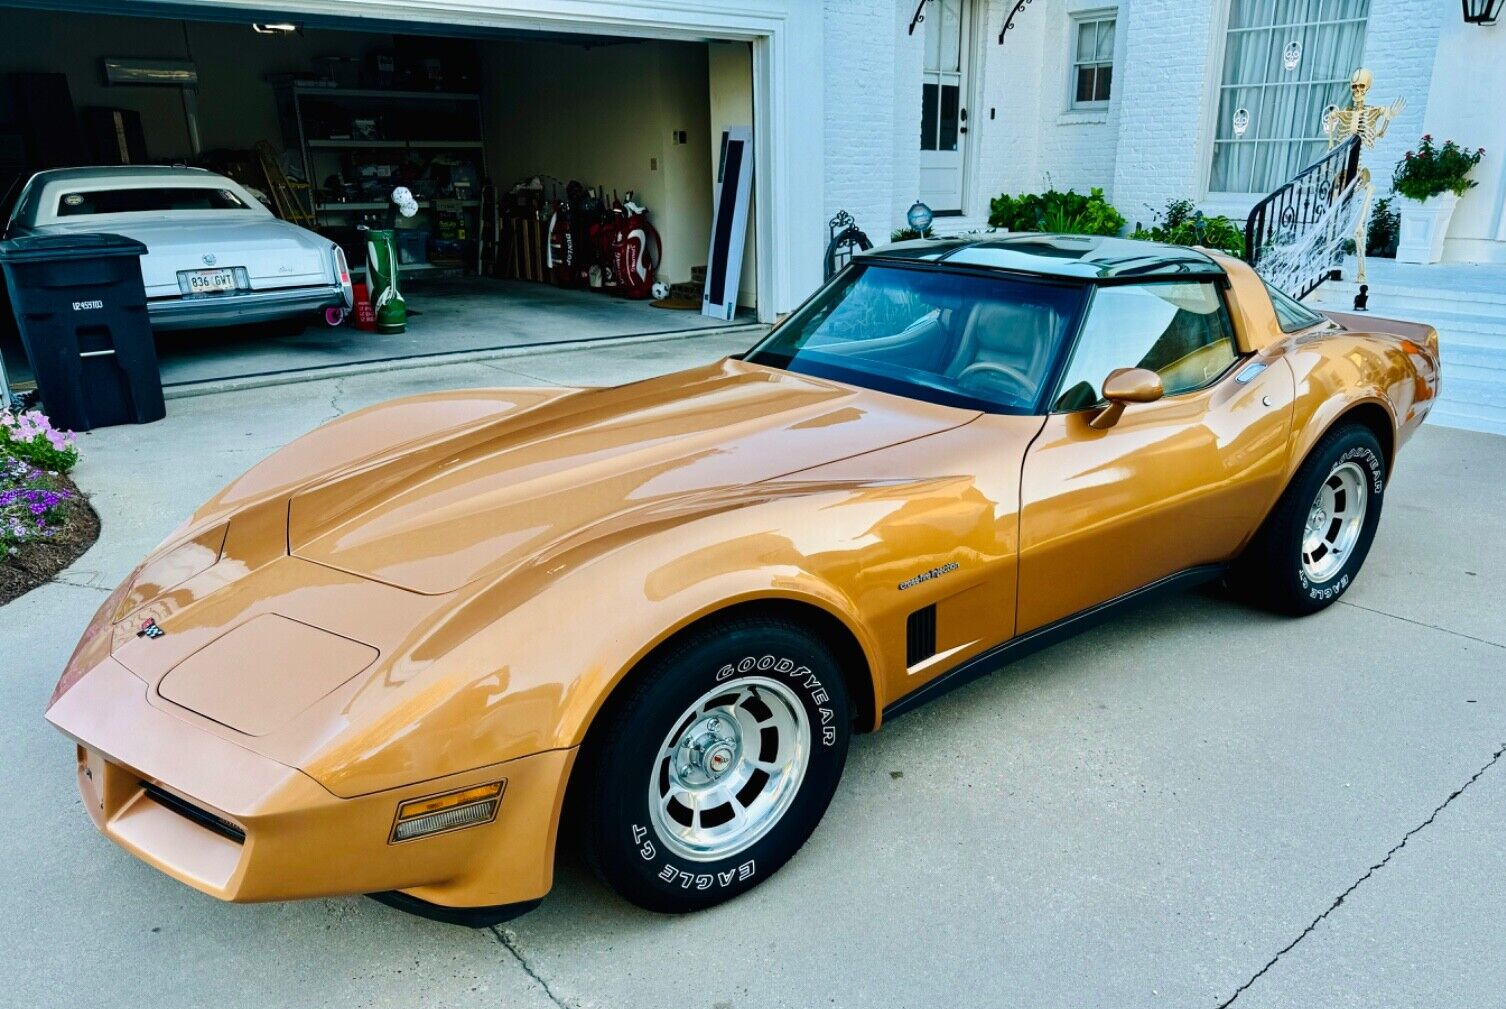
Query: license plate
pixel 209 281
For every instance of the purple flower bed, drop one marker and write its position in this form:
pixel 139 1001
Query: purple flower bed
pixel 32 505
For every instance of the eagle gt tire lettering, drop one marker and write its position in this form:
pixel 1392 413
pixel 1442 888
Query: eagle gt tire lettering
pixel 716 764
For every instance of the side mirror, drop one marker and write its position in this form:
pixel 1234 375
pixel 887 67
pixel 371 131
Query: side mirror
pixel 1123 387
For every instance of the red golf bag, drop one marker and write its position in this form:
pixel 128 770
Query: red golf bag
pixel 635 250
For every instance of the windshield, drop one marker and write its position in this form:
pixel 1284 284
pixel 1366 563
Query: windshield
pixel 148 199
pixel 959 339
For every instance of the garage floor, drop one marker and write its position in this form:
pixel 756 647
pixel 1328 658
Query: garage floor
pixel 444 317
pixel 1193 803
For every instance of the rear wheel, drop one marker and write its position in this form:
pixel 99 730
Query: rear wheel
pixel 716 766
pixel 1315 541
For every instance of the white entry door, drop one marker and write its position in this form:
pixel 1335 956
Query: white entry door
pixel 943 116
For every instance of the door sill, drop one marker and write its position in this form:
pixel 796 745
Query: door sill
pixel 1059 630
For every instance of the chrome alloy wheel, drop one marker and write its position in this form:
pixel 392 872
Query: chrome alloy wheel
pixel 729 769
pixel 1334 521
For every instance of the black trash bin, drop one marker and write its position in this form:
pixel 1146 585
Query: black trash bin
pixel 81 309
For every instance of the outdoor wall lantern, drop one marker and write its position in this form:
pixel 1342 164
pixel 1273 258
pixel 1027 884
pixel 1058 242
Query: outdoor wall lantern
pixel 1481 12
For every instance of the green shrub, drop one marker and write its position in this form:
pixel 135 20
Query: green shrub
pixel 906 234
pixel 1384 230
pixel 1067 212
pixel 1181 223
pixel 1430 171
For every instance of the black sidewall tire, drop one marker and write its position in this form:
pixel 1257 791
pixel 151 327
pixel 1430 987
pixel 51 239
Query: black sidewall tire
pixel 1276 556
pixel 622 843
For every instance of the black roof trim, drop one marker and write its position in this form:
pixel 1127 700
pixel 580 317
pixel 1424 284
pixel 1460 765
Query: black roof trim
pixel 1082 257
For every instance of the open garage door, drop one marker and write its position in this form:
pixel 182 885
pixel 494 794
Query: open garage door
pixel 521 147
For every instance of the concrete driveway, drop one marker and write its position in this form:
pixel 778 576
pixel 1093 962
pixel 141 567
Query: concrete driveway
pixel 1193 803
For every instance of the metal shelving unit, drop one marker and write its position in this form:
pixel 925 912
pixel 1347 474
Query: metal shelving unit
pixel 399 109
pixel 333 205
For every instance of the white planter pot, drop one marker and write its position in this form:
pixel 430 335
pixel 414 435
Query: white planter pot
pixel 1423 227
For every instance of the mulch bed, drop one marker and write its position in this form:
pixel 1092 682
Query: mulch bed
pixel 37 562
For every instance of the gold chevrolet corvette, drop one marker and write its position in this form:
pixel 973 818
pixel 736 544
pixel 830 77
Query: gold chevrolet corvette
pixel 397 655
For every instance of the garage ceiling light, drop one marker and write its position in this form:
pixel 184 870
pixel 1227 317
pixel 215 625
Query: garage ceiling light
pixel 277 28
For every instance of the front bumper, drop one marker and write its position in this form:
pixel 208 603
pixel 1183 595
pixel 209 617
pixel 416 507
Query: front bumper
pixel 243 307
pixel 176 797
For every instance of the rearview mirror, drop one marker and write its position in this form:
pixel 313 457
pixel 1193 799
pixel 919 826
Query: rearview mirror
pixel 1123 387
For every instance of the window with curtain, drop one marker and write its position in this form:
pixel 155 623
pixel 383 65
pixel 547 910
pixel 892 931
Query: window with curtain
pixel 1285 62
pixel 1092 60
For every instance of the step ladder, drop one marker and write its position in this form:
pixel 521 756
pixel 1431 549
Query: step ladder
pixel 289 204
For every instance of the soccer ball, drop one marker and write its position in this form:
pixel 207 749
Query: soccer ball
pixel 661 290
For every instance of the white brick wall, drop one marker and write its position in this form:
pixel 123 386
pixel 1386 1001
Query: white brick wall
pixel 1011 87
pixel 1401 39
pixel 1152 144
pixel 1164 103
pixel 871 147
pixel 1078 150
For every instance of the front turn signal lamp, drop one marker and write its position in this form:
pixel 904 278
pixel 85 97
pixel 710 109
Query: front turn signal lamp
pixel 438 814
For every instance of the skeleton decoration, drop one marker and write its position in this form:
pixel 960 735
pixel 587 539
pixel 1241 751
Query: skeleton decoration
pixel 1316 246
pixel 1241 121
pixel 1291 55
pixel 1369 123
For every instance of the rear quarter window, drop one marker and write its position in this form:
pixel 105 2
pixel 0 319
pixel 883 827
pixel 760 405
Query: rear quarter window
pixel 1291 314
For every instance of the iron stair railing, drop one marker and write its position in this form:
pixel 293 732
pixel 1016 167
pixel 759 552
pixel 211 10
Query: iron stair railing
pixel 1287 217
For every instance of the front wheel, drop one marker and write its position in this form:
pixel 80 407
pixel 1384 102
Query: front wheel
pixel 717 765
pixel 1315 541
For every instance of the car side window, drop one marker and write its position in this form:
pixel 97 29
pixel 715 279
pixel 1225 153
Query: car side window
pixel 1180 330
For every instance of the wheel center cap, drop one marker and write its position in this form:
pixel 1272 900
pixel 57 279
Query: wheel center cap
pixel 719 758
pixel 709 749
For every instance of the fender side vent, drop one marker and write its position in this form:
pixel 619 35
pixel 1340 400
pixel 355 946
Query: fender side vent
pixel 920 635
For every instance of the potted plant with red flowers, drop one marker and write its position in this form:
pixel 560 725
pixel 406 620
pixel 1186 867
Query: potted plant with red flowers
pixel 1431 179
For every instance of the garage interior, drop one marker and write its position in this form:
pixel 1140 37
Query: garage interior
pixel 469 122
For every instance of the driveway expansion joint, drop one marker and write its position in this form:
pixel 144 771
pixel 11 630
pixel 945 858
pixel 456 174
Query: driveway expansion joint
pixel 1312 925
pixel 507 944
pixel 1419 623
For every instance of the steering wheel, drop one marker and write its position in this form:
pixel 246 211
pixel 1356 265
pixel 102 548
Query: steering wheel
pixel 994 370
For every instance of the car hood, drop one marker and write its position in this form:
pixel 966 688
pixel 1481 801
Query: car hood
pixel 274 253
pixel 481 502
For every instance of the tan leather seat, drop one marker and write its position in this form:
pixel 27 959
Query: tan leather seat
pixel 1009 333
